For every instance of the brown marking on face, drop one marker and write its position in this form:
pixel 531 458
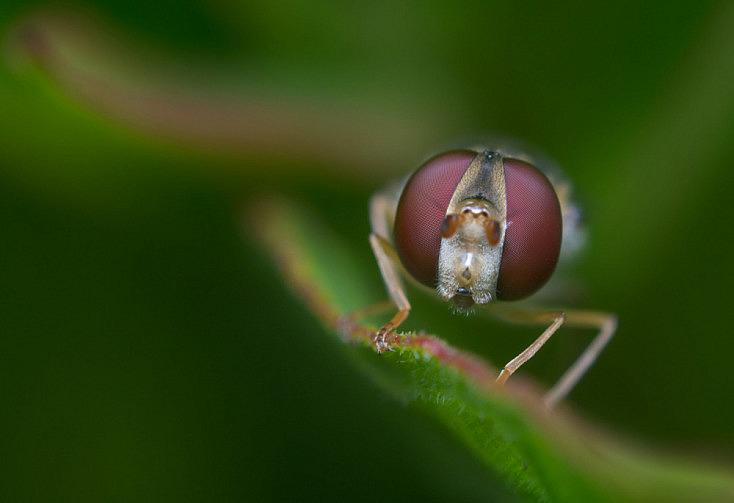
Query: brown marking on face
pixel 449 225
pixel 493 231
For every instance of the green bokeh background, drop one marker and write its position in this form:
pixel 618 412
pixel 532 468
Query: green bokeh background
pixel 149 351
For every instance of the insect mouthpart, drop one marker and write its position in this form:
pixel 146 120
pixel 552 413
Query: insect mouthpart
pixel 463 301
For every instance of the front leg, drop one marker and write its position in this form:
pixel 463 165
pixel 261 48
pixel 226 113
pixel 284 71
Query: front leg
pixel 605 323
pixel 557 320
pixel 386 257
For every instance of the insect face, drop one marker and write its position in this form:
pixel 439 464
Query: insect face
pixel 478 227
pixel 466 273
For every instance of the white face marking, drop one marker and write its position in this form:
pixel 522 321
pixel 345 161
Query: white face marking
pixel 467 265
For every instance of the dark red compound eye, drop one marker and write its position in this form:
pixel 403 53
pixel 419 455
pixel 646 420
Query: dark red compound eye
pixel 533 234
pixel 421 210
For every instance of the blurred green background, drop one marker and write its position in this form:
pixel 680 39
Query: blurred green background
pixel 148 348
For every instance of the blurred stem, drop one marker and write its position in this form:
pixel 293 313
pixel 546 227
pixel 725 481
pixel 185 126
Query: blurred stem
pixel 107 74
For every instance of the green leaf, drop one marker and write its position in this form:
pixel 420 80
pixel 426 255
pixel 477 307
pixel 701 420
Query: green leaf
pixel 541 455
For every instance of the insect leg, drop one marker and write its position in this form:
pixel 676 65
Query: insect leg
pixel 530 317
pixel 605 323
pixel 386 256
pixel 382 215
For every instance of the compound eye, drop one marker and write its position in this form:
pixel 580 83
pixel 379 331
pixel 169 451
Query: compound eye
pixel 533 234
pixel 421 211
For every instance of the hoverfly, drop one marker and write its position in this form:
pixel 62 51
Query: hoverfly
pixel 482 226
